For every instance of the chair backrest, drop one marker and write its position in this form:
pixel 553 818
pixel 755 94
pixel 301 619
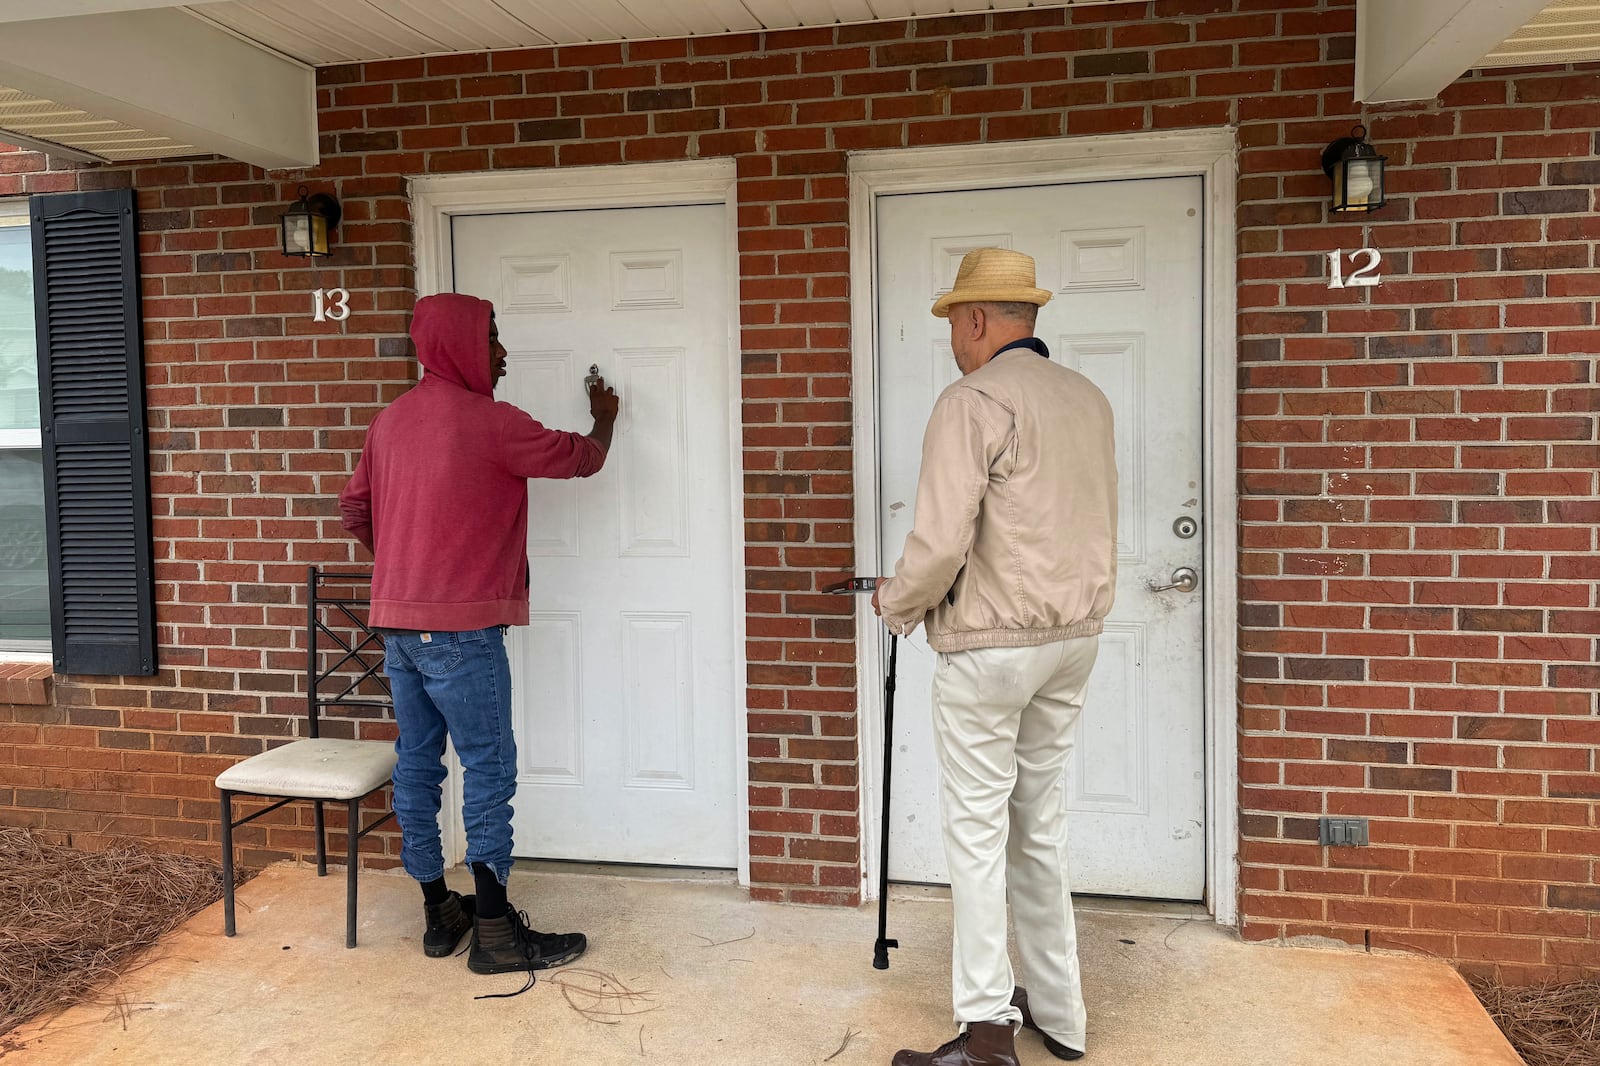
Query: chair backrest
pixel 337 602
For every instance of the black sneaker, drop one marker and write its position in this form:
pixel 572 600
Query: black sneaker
pixel 507 945
pixel 448 922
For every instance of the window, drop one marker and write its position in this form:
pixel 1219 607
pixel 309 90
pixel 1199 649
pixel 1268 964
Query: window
pixel 24 580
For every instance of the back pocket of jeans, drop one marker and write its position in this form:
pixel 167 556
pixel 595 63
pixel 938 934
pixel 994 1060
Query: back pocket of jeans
pixel 437 657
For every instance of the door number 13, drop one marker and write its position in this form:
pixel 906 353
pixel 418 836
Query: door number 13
pixel 1361 278
pixel 332 305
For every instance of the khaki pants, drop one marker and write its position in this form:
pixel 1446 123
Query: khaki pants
pixel 1005 720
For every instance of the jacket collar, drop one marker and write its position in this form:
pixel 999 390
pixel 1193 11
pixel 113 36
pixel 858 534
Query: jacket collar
pixel 1033 344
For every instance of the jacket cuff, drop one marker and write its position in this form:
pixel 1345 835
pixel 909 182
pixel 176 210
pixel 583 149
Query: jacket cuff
pixel 900 619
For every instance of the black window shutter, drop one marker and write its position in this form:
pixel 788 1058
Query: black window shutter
pixel 91 399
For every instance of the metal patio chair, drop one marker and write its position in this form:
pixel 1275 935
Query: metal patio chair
pixel 316 768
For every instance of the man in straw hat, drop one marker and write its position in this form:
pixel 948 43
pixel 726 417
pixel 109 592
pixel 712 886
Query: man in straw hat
pixel 1012 567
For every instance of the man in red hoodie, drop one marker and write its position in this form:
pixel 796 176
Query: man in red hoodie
pixel 440 498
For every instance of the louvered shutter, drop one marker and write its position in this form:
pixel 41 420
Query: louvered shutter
pixel 91 398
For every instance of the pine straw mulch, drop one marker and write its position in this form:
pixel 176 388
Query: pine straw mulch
pixel 71 921
pixel 1549 1025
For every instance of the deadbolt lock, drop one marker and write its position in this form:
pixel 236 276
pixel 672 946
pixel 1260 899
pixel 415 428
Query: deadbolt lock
pixel 1186 527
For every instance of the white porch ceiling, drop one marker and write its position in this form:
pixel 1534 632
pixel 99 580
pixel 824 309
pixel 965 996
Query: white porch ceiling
pixel 88 138
pixel 119 76
pixel 68 104
pixel 322 32
pixel 1567 31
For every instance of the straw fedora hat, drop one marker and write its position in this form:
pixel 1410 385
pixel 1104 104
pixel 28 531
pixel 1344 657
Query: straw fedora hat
pixel 993 275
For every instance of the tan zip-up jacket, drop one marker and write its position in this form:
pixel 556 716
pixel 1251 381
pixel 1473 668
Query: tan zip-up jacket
pixel 1015 542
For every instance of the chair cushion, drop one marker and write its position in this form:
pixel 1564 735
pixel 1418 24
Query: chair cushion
pixel 314 769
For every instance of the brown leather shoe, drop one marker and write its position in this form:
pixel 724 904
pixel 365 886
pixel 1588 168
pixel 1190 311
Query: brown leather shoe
pixel 983 1044
pixel 1019 1000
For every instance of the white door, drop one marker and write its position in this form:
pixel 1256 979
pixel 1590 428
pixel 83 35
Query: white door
pixel 623 682
pixel 1124 261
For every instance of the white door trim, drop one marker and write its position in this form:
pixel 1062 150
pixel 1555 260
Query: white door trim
pixel 436 200
pixel 1209 154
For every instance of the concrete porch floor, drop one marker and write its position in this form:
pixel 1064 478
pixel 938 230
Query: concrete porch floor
pixel 732 982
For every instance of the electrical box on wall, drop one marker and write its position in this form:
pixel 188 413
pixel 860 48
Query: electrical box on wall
pixel 1343 832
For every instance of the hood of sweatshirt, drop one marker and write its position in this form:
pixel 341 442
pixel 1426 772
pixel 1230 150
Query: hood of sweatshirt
pixel 451 332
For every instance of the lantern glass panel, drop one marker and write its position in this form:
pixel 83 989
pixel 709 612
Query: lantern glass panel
pixel 319 235
pixel 1364 183
pixel 297 233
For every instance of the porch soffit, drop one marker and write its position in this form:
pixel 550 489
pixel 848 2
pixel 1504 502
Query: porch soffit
pixel 1401 55
pixel 323 32
pixel 75 134
pixel 103 83
pixel 1566 31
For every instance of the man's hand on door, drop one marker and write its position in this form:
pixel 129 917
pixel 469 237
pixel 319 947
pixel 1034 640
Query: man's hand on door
pixel 603 408
pixel 603 402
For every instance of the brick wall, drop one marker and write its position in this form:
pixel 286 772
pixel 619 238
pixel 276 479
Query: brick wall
pixel 1419 571
pixel 255 414
pixel 1417 460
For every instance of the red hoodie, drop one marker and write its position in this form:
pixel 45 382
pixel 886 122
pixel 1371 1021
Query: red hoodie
pixel 440 496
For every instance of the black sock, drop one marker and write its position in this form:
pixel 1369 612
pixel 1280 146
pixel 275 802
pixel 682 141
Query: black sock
pixel 491 893
pixel 435 892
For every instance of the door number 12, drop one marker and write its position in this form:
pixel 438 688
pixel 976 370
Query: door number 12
pixel 1361 278
pixel 332 305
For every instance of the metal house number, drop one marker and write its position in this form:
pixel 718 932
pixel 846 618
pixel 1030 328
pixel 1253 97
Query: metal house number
pixel 330 305
pixel 1363 277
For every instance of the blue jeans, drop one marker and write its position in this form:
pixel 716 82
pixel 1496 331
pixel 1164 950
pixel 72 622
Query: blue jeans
pixel 457 684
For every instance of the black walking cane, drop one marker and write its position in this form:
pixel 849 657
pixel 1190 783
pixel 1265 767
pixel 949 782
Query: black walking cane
pixel 880 950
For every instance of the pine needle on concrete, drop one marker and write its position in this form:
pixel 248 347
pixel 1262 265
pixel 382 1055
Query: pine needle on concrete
pixel 849 1035
pixel 71 921
pixel 601 997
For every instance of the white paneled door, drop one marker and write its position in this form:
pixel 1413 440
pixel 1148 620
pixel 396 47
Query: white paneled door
pixel 623 684
pixel 1124 260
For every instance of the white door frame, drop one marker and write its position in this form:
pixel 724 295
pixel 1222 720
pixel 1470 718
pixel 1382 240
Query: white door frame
pixel 436 200
pixel 1208 154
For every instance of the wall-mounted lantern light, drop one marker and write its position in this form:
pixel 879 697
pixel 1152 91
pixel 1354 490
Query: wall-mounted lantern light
pixel 1357 172
pixel 307 223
